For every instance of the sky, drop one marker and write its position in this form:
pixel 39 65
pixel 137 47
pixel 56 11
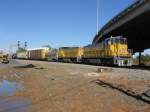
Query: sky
pixel 54 22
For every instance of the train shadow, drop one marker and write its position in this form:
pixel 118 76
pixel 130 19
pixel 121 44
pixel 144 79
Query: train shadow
pixel 140 67
pixel 145 96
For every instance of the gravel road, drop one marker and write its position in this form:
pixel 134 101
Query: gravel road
pixel 66 87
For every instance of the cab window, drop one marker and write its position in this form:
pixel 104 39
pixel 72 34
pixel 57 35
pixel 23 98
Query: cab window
pixel 123 41
pixel 108 42
pixel 117 41
pixel 113 41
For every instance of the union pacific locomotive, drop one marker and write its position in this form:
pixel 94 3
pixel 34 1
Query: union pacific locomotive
pixel 111 51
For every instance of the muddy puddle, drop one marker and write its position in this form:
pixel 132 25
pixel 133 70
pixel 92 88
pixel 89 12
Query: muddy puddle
pixel 9 103
pixel 14 105
pixel 8 88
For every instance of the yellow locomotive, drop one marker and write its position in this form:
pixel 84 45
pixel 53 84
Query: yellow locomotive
pixel 70 54
pixel 111 51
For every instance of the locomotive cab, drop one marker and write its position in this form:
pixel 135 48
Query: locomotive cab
pixel 118 48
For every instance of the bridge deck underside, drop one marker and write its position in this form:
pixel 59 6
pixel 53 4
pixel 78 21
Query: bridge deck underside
pixel 137 31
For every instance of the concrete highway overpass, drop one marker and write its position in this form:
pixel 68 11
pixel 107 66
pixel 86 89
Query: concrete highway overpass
pixel 133 23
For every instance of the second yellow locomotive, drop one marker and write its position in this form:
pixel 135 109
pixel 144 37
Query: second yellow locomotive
pixel 70 54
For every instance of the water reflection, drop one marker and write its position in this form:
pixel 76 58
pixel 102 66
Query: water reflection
pixel 8 88
pixel 14 105
pixel 10 103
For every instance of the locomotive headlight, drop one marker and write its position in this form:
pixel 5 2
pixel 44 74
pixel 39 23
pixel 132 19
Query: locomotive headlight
pixel 123 51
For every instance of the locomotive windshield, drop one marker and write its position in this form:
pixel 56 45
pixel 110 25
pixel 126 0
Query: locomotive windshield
pixel 117 40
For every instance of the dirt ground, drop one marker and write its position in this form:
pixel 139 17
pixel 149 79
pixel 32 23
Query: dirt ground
pixel 65 87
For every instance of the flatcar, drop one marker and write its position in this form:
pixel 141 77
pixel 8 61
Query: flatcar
pixel 111 51
pixel 70 54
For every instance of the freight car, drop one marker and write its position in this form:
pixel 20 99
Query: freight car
pixel 70 54
pixel 22 55
pixel 111 51
pixel 33 54
pixel 52 54
pixel 38 53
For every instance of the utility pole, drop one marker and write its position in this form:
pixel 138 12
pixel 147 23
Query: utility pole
pixel 97 16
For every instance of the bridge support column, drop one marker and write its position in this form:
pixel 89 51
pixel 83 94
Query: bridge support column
pixel 140 56
pixel 140 53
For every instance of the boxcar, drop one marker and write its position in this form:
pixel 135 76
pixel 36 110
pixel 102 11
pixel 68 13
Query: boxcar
pixel 38 53
pixel 22 55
